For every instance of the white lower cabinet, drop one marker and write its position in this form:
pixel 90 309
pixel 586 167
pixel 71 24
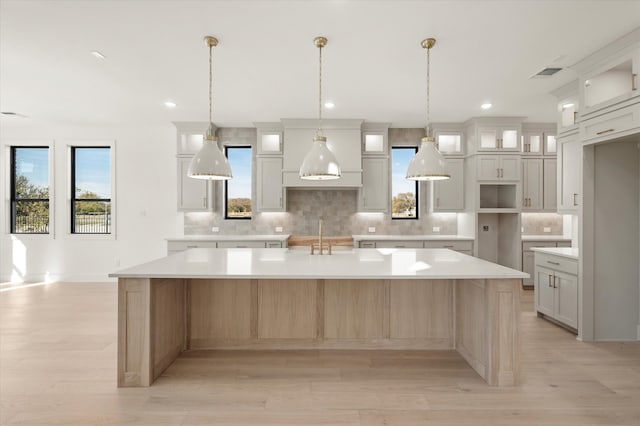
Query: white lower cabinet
pixel 175 246
pixel 193 194
pixel 461 246
pixel 556 289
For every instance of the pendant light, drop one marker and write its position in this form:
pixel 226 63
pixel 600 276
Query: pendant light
pixel 428 163
pixel 210 163
pixel 320 163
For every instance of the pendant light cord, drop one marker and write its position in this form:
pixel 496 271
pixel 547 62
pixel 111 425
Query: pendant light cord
pixel 319 132
pixel 428 112
pixel 210 88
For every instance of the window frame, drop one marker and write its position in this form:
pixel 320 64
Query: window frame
pixel 417 185
pixel 225 193
pixel 111 144
pixel 7 184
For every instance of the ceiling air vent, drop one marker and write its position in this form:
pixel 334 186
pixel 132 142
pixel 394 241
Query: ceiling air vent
pixel 547 72
pixel 15 114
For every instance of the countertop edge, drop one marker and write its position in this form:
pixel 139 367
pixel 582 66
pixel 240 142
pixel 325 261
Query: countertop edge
pixel 557 251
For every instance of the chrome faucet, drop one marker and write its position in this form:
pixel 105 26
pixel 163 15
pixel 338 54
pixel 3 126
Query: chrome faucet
pixel 321 246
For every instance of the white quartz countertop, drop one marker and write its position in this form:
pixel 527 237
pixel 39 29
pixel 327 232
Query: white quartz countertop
pixel 570 252
pixel 276 237
pixel 374 237
pixel 295 264
pixel 545 238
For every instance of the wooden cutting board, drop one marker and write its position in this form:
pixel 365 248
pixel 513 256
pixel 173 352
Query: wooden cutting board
pixel 306 240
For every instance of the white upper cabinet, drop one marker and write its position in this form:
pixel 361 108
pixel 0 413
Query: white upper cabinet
pixel 374 194
pixel 193 194
pixel 498 168
pixel 538 139
pixel 550 191
pixel 448 195
pixel 269 189
pixel 532 184
pixel 493 134
pixel 498 139
pixel 614 81
pixel 343 139
pixel 190 137
pixel 269 139
pixel 375 139
pixel 449 138
pixel 569 174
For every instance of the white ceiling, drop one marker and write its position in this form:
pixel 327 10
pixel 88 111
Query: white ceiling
pixel 265 67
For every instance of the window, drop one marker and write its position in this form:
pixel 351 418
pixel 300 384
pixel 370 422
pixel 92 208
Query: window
pixel 237 191
pixel 91 190
pixel 30 190
pixel 404 192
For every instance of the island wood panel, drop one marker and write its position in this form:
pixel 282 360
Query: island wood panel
pixel 422 309
pixel 288 309
pixel 134 360
pixel 168 320
pixel 355 309
pixel 221 310
pixel 487 327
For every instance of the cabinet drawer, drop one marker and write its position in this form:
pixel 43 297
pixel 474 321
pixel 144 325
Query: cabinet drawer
pixel 241 244
pixel 398 244
pixel 452 245
pixel 557 263
pixel 528 245
pixel 611 123
pixel 175 246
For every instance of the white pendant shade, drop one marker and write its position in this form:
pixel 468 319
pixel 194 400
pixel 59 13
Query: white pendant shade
pixel 320 163
pixel 210 163
pixel 428 163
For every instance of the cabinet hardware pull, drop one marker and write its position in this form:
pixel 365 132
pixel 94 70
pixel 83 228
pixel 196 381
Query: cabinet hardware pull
pixel 497 173
pixel 400 246
pixel 633 81
pixel 553 263
pixel 554 282
pixel 438 202
pixel 501 173
pixel 575 203
pixel 549 281
pixel 447 246
pixel 280 205
pixel 192 246
pixel 604 131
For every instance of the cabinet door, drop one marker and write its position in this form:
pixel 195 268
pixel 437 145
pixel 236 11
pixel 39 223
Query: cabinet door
pixel 193 194
pixel 510 167
pixel 532 143
pixel 528 267
pixel 550 144
pixel 270 192
pixel 488 167
pixel 448 195
pixel 544 291
pixel 566 306
pixel 569 185
pixel 374 194
pixel 532 184
pixel 489 138
pixel 550 171
pixel 509 139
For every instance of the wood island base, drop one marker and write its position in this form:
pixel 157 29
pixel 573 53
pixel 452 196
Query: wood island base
pixel 158 318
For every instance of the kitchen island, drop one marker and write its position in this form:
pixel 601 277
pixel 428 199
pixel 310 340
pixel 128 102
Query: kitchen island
pixel 278 299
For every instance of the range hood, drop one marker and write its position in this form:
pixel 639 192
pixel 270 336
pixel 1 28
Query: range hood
pixel 343 139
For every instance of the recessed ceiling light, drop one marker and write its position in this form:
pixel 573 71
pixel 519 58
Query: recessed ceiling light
pixel 565 106
pixel 486 105
pixel 170 104
pixel 97 54
pixel 329 104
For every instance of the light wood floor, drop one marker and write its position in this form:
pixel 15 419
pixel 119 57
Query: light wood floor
pixel 58 366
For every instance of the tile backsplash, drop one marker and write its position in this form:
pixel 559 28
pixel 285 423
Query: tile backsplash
pixel 534 223
pixel 337 209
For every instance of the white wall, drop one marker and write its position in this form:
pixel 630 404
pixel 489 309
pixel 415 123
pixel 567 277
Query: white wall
pixel 145 168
